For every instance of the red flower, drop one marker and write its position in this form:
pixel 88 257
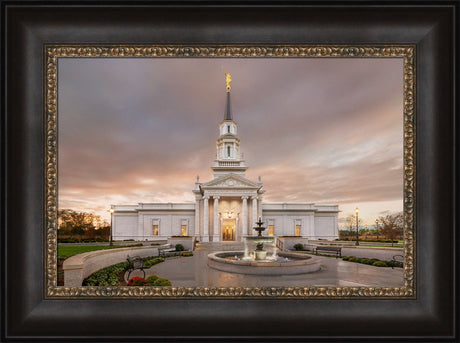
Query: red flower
pixel 137 281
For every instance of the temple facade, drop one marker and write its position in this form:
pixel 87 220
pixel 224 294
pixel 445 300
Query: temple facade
pixel 226 207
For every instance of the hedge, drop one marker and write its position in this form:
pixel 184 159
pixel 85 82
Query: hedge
pixel 373 262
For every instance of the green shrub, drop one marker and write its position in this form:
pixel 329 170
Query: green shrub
pixel 162 282
pixel 68 240
pixel 179 247
pixel 298 246
pixel 394 264
pixel 366 261
pixel 260 246
pixel 151 279
pixel 154 280
pixel 106 277
pixel 149 262
pixel 373 262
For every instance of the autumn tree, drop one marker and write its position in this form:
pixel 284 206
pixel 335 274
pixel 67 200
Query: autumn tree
pixel 392 225
pixel 77 223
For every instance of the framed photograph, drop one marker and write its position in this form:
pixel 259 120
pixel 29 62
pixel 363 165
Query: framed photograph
pixel 338 112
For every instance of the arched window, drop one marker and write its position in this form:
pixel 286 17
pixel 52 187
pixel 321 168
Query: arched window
pixel 228 151
pixel 228 128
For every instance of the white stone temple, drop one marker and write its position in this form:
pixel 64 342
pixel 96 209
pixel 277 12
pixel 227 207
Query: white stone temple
pixel 226 207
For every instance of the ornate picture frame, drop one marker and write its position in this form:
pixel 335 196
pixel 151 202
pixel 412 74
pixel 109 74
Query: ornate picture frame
pixel 405 52
pixel 36 308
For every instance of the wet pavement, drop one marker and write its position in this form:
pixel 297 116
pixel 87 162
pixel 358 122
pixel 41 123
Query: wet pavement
pixel 194 272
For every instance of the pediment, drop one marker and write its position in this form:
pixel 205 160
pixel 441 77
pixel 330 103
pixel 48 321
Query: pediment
pixel 231 181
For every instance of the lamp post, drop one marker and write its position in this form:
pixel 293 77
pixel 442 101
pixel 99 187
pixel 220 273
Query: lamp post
pixel 357 228
pixel 111 223
pixel 377 227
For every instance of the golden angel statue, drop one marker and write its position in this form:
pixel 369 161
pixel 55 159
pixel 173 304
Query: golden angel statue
pixel 229 79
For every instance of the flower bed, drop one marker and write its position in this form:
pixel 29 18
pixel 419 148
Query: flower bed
pixel 112 275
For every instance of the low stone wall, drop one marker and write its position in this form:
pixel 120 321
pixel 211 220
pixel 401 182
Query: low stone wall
pixel 187 242
pixel 79 267
pixel 287 243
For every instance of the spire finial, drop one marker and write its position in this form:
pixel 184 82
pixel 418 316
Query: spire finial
pixel 228 80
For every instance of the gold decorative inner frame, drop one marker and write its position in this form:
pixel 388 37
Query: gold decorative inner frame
pixel 53 52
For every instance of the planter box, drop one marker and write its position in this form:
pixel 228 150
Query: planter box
pixel 187 242
pixel 287 243
pixel 260 255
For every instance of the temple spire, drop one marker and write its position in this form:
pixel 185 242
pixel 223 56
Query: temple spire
pixel 229 159
pixel 228 112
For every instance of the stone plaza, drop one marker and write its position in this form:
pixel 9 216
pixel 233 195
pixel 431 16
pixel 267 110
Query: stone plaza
pixel 194 272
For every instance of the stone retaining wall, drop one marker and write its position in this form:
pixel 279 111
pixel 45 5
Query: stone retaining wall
pixel 287 243
pixel 187 242
pixel 79 267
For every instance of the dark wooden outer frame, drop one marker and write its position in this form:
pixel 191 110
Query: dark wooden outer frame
pixel 27 314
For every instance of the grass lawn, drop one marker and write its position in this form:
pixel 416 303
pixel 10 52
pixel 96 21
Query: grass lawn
pixel 68 251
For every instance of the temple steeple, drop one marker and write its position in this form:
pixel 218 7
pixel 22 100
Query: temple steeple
pixel 228 110
pixel 228 158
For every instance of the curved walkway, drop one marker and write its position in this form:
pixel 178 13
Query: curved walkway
pixel 194 272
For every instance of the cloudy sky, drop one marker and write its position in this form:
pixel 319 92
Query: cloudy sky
pixel 324 130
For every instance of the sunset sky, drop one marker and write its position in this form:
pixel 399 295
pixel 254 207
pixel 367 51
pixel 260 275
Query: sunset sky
pixel 324 130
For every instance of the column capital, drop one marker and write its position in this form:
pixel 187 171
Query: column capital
pixel 254 197
pixel 244 197
pixel 206 197
pixel 216 197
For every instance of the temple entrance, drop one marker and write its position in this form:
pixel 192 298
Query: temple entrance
pixel 228 229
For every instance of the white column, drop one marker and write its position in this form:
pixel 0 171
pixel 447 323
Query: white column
pixel 216 234
pixel 245 215
pixel 197 219
pixel 254 213
pixel 206 220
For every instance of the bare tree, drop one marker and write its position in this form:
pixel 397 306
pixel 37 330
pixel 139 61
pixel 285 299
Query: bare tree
pixel 351 224
pixel 392 225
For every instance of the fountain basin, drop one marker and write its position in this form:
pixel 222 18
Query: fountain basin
pixel 296 264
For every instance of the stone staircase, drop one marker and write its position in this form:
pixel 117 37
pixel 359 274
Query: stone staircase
pixel 220 246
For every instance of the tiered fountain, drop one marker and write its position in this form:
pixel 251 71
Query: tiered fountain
pixel 255 247
pixel 260 256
